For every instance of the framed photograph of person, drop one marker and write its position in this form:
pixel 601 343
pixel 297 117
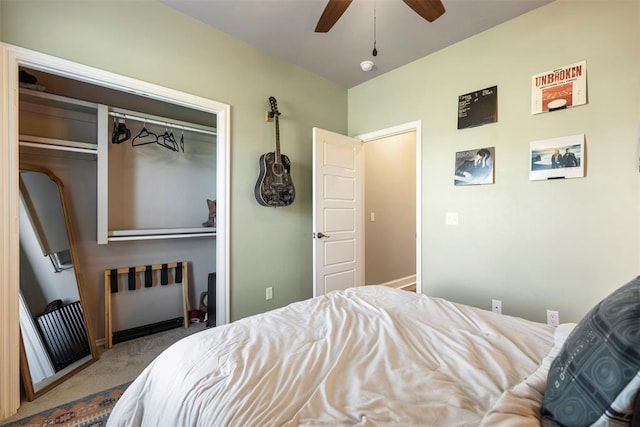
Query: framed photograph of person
pixel 474 167
pixel 557 158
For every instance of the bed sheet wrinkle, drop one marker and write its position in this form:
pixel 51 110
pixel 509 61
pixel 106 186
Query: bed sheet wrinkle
pixel 489 360
pixel 348 331
pixel 458 403
pixel 365 393
pixel 369 334
pixel 169 384
pixel 520 405
pixel 335 358
pixel 275 391
pixel 458 365
pixel 363 357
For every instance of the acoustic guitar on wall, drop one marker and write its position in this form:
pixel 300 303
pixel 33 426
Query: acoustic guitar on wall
pixel 274 187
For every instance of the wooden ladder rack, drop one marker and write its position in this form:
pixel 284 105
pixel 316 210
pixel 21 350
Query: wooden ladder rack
pixel 111 286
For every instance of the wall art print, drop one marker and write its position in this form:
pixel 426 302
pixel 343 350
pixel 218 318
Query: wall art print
pixel 478 108
pixel 558 89
pixel 557 158
pixel 475 167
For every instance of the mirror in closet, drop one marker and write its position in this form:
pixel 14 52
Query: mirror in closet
pixel 56 340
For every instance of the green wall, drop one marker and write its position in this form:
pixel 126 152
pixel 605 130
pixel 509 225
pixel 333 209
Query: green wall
pixel 536 245
pixel 151 42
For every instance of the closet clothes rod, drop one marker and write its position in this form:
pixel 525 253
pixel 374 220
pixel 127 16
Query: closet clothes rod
pixel 161 123
pixel 53 146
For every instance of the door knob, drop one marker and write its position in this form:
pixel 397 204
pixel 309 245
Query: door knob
pixel 321 235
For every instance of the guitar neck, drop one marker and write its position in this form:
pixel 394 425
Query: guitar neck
pixel 277 159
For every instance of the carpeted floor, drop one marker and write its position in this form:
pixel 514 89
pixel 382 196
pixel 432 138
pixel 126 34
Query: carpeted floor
pixel 118 365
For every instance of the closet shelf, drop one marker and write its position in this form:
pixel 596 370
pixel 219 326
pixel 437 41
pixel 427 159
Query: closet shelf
pixel 160 233
pixel 57 101
pixel 58 123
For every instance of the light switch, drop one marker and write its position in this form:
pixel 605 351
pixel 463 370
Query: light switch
pixel 373 217
pixel 451 218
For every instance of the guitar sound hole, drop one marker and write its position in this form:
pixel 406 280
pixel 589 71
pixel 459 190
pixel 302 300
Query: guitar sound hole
pixel 278 169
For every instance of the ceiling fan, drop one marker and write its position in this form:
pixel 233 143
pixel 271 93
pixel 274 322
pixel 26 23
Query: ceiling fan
pixel 428 9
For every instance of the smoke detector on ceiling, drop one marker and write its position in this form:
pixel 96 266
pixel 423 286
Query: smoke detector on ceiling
pixel 366 65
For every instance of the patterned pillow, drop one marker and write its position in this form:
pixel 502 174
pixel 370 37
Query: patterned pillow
pixel 599 359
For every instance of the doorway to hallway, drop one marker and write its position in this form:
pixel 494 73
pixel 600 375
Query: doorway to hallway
pixel 390 210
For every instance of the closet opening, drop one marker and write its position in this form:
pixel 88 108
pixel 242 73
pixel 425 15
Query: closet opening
pixel 155 175
pixel 136 224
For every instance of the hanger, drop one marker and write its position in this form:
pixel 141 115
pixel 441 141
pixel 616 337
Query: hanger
pixel 120 132
pixel 167 140
pixel 143 136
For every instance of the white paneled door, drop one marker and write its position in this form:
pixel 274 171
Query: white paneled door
pixel 337 211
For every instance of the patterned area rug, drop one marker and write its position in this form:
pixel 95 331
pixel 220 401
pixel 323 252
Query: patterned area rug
pixel 90 411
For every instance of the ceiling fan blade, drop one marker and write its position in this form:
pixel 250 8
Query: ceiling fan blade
pixel 428 9
pixel 332 12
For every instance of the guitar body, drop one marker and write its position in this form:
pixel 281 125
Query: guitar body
pixel 274 187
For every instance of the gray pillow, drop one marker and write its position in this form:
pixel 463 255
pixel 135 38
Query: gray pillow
pixel 600 357
pixel 635 417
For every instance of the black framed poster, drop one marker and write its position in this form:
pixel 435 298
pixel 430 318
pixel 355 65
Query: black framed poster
pixel 478 108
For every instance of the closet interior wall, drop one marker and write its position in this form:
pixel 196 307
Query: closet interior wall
pixel 150 187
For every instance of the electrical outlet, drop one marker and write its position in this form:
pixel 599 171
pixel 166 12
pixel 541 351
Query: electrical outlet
pixel 496 306
pixel 553 318
pixel 269 293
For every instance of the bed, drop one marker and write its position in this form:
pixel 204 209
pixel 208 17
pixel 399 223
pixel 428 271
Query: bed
pixel 366 356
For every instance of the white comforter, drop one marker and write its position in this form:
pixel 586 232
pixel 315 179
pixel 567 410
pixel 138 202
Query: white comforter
pixel 366 356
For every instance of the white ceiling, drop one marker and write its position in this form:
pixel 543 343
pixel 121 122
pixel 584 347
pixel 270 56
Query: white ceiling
pixel 285 29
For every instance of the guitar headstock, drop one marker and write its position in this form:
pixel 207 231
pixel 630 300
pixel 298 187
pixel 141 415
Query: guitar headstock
pixel 274 107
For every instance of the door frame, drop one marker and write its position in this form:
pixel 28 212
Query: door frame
pixel 11 57
pixel 415 126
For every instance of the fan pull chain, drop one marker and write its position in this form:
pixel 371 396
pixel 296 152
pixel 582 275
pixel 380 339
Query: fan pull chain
pixel 375 51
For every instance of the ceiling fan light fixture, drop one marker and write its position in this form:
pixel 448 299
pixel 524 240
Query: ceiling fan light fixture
pixel 366 65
